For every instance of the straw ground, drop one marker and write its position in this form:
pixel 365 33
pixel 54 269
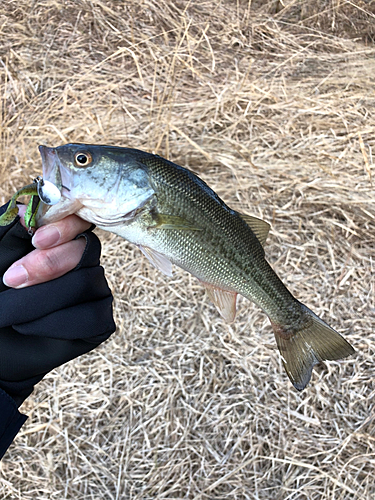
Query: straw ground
pixel 272 104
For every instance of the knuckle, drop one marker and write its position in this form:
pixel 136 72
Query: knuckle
pixel 71 226
pixel 48 262
pixel 45 265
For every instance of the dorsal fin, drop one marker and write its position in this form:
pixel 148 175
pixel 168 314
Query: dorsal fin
pixel 258 226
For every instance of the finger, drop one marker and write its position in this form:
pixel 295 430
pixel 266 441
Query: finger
pixel 57 233
pixel 60 232
pixel 21 213
pixel 40 266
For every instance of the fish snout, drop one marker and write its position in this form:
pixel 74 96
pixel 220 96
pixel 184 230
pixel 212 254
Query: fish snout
pixel 49 162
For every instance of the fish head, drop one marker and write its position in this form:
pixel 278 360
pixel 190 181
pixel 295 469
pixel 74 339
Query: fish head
pixel 102 184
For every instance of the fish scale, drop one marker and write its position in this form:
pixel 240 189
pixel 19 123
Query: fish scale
pixel 234 258
pixel 175 217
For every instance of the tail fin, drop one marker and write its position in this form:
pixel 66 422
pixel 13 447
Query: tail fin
pixel 314 342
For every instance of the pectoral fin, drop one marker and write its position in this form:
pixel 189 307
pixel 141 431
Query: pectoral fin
pixel 258 226
pixel 224 301
pixel 163 221
pixel 158 260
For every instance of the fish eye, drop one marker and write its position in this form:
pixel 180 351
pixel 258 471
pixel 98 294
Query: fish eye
pixel 82 159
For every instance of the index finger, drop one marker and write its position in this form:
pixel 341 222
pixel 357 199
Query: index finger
pixel 57 233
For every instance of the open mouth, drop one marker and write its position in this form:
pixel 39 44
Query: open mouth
pixel 51 171
pixel 54 171
pixel 56 187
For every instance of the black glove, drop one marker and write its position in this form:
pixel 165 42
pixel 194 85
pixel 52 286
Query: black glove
pixel 46 325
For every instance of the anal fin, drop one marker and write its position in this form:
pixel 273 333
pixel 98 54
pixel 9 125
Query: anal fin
pixel 158 260
pixel 224 301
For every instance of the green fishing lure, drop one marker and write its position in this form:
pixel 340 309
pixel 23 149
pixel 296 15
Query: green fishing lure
pixel 30 216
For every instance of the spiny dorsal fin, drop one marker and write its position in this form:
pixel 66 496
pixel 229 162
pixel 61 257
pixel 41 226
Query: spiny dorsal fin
pixel 224 301
pixel 258 226
pixel 158 260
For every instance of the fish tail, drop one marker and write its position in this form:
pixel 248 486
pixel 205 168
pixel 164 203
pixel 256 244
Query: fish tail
pixel 303 347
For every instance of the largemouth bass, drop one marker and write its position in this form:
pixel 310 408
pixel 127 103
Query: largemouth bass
pixel 174 217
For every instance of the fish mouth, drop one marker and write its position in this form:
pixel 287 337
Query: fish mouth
pixel 61 177
pixel 51 172
pixel 54 171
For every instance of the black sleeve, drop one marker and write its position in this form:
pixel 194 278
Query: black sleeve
pixel 11 421
pixel 46 325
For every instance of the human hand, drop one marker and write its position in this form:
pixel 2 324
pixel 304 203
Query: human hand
pixel 46 325
pixel 56 252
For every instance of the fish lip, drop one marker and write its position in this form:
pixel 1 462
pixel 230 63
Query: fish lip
pixel 49 164
pixel 54 171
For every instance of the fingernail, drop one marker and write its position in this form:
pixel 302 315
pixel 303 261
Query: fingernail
pixel 46 236
pixel 15 276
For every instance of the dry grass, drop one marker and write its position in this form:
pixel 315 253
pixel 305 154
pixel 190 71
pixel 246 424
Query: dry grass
pixel 272 103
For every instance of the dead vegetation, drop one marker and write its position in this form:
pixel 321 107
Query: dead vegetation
pixel 272 103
